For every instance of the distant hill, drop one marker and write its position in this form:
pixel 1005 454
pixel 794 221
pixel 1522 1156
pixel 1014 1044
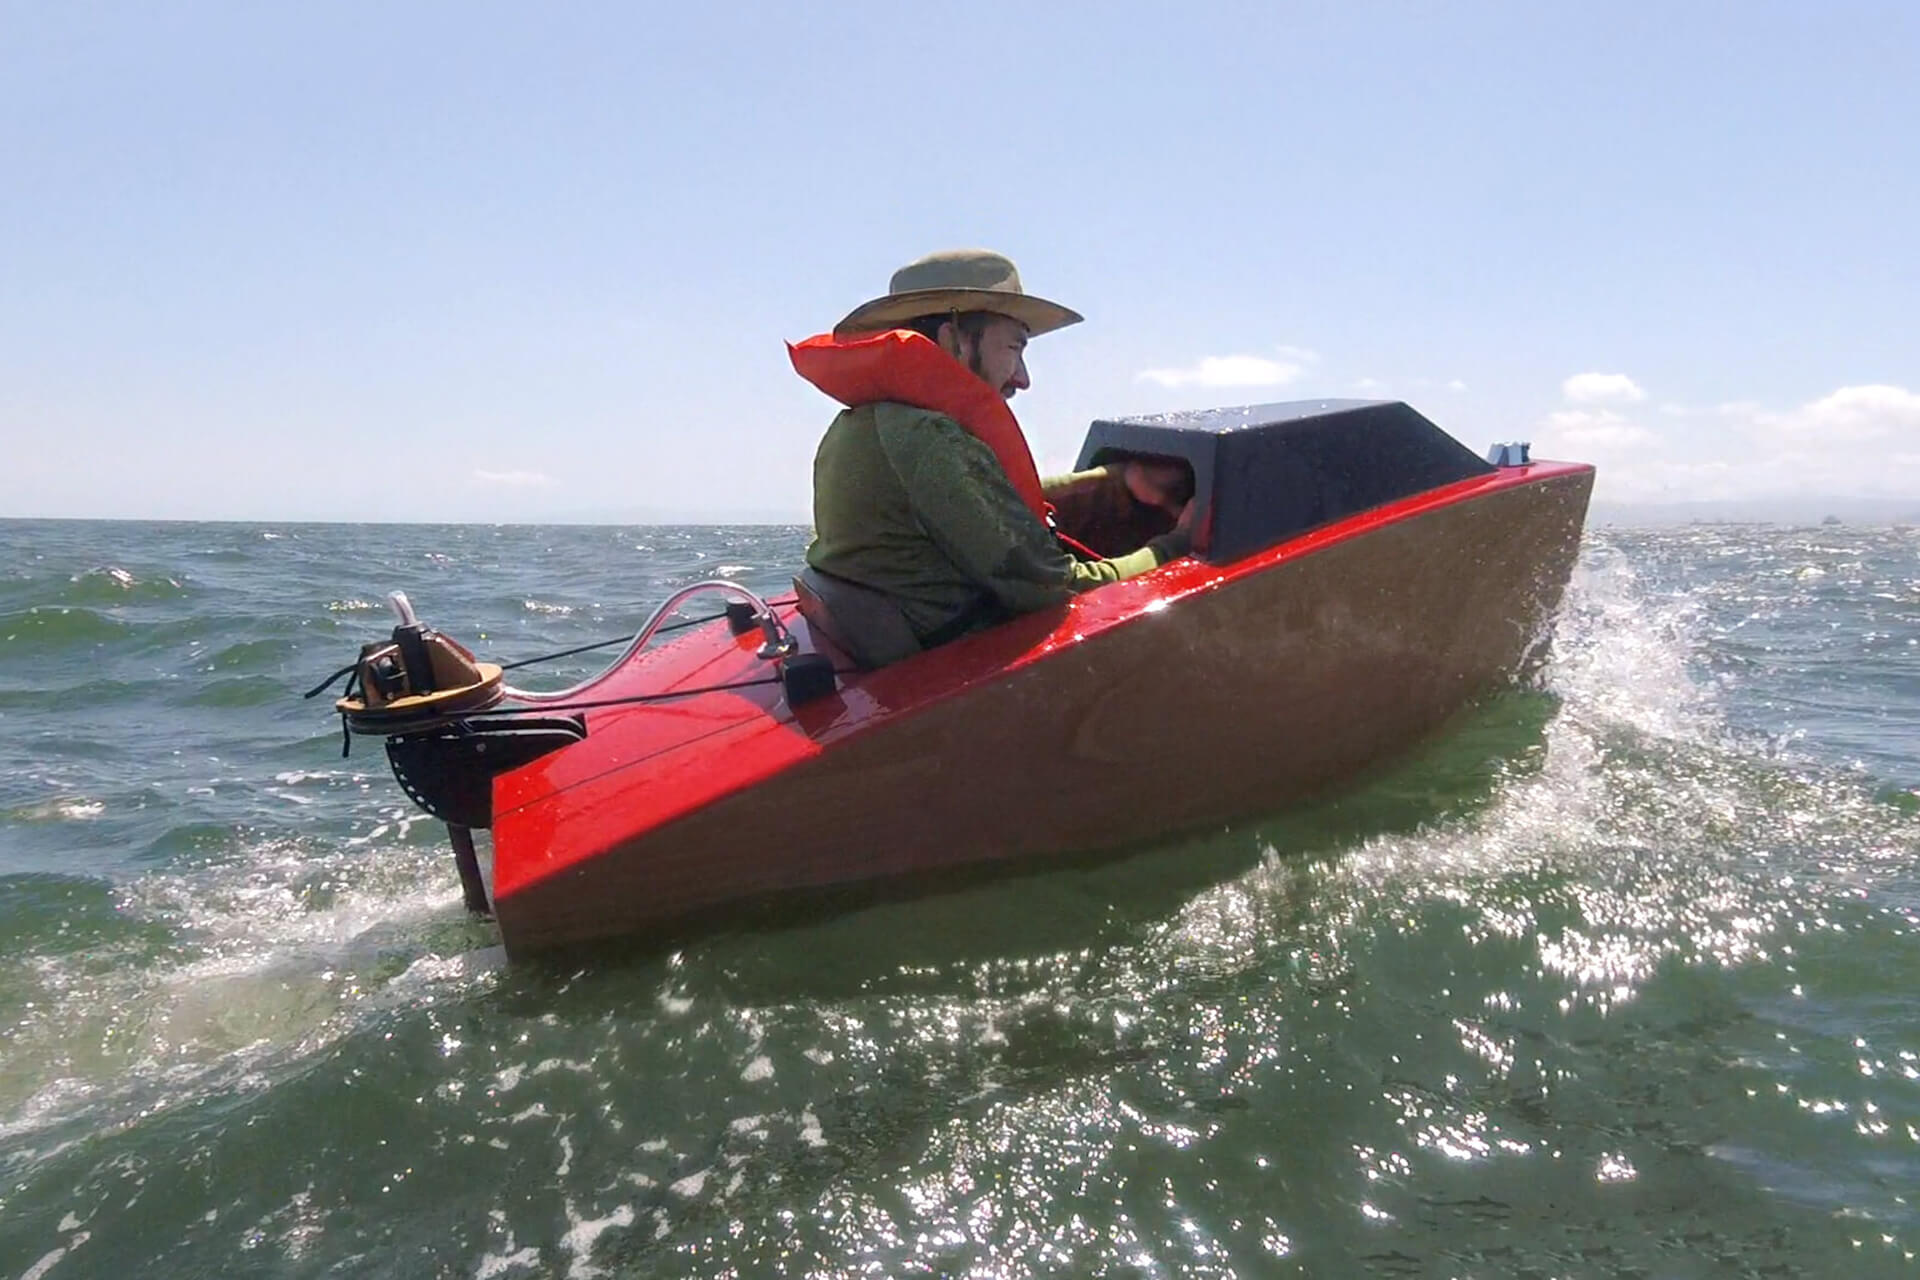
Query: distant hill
pixel 1777 510
pixel 692 516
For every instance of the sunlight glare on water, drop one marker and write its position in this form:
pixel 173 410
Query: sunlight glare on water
pixel 1610 978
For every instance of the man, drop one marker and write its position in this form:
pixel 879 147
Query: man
pixel 924 488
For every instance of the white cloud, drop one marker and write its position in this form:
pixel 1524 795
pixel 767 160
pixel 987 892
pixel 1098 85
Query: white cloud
pixel 1855 414
pixel 1622 436
pixel 1859 442
pixel 1227 371
pixel 1601 388
pixel 1385 386
pixel 1236 371
pixel 516 479
pixel 1597 429
pixel 1580 419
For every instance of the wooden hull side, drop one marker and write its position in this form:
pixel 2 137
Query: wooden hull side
pixel 1239 699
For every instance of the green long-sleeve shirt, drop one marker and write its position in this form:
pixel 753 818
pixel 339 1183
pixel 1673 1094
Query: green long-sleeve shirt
pixel 907 502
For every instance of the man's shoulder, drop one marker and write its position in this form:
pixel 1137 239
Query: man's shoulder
pixel 895 420
pixel 903 432
pixel 915 438
pixel 900 414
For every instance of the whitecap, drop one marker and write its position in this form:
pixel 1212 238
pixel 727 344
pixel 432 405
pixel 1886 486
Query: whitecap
pixel 582 1232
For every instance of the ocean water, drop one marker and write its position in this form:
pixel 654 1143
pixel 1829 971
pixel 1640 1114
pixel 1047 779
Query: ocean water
pixel 1618 977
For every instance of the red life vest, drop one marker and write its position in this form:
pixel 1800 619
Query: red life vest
pixel 905 367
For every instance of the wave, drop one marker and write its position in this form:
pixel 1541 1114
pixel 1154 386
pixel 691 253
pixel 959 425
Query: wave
pixel 180 984
pixel 107 586
pixel 112 585
pixel 53 628
pixel 88 693
pixel 235 691
pixel 258 654
pixel 58 808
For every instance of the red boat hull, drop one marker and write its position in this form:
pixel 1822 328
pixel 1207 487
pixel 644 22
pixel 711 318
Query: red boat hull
pixel 1195 694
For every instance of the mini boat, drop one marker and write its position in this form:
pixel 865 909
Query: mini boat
pixel 1362 577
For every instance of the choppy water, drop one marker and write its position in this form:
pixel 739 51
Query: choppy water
pixel 1618 978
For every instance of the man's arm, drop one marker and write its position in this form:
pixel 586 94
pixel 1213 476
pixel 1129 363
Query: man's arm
pixel 965 503
pixel 1121 506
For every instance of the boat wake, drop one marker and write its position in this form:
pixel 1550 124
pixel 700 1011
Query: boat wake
pixel 225 978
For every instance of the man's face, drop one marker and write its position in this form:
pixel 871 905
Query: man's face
pixel 999 355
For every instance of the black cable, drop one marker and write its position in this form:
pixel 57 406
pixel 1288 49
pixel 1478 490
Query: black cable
pixel 564 653
pixel 586 648
pixel 602 644
pixel 431 723
pixel 535 709
pixel 547 708
pixel 321 687
pixel 543 708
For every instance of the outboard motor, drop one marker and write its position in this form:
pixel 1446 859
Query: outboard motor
pixel 428 696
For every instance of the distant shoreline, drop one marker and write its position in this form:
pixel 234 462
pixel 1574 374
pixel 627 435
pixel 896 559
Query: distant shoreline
pixel 1871 512
pixel 598 522
pixel 1773 511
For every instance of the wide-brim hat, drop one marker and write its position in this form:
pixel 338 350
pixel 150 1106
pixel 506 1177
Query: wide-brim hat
pixel 959 280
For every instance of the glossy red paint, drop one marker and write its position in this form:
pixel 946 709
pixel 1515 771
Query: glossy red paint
pixel 646 767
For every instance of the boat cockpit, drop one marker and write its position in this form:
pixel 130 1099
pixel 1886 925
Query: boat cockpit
pixel 1258 474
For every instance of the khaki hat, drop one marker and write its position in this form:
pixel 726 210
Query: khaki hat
pixel 960 280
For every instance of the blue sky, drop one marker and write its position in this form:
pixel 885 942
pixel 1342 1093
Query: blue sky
pixel 505 262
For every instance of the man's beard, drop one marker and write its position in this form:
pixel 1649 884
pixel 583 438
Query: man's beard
pixel 978 366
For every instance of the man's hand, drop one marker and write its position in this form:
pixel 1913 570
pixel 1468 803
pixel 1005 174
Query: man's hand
pixel 1157 484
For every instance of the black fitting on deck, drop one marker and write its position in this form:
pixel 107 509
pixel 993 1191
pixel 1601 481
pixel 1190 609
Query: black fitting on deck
pixel 806 676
